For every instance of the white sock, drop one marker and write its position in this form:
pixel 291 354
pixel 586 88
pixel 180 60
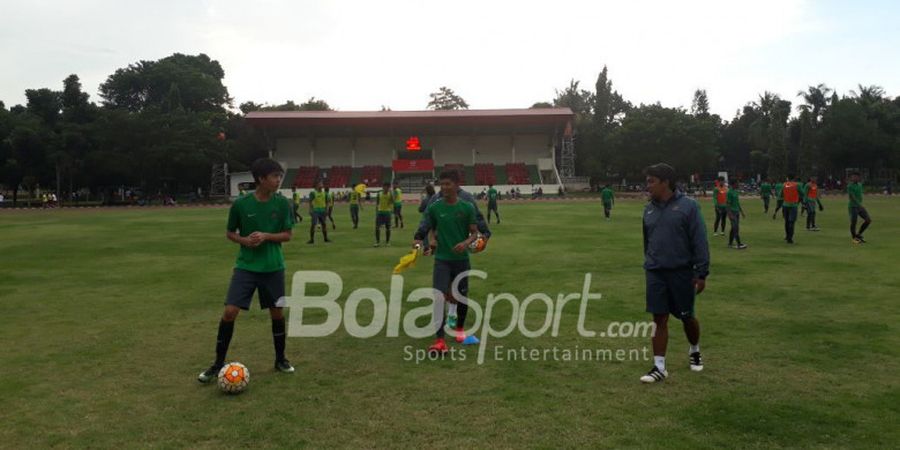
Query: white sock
pixel 694 349
pixel 660 362
pixel 453 309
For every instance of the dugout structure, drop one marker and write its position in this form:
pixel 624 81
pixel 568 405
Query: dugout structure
pixel 508 148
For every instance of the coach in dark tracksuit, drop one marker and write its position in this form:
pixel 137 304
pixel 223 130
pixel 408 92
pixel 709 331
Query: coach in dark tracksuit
pixel 676 263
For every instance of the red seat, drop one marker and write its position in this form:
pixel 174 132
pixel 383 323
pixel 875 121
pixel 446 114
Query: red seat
pixel 306 177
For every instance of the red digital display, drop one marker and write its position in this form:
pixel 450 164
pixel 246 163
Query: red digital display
pixel 413 144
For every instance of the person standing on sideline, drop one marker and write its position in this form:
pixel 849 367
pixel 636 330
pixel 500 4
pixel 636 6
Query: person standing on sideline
pixel 765 191
pixel 720 200
pixel 790 193
pixel 735 212
pixel 676 264
pixel 609 199
pixel 855 192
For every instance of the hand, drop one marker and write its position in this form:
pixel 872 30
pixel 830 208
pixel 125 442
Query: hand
pixel 699 285
pixel 461 247
pixel 417 243
pixel 821 208
pixel 256 238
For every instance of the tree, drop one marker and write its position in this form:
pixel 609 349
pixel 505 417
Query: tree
pixel 653 133
pixel 445 99
pixel 700 104
pixel 777 146
pixel 540 105
pixel 146 84
pixel 608 105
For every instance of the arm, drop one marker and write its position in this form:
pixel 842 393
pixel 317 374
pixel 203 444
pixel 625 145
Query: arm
pixel 422 232
pixel 479 218
pixel 281 236
pixel 699 246
pixel 473 234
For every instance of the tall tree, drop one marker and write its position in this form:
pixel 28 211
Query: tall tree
pixel 147 84
pixel 445 99
pixel 700 104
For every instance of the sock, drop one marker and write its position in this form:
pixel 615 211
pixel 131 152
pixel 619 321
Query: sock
pixel 278 337
pixel 463 310
pixel 660 362
pixel 223 339
pixel 452 309
pixel 387 236
pixel 377 235
pixel 694 348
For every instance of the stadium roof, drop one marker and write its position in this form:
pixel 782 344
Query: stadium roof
pixel 342 123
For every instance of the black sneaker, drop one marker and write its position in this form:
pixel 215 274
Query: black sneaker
pixel 696 362
pixel 210 374
pixel 310 241
pixel 654 375
pixel 284 366
pixel 860 239
pixel 741 246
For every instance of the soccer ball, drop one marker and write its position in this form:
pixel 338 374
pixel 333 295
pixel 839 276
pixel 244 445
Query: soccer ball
pixel 478 244
pixel 233 378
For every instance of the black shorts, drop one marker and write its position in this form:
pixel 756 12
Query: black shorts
pixel 671 291
pixel 244 282
pixel 858 211
pixel 492 206
pixel 447 271
pixel 318 217
pixel 383 219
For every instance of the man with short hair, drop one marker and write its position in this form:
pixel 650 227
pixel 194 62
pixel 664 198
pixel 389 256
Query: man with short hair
pixel 812 202
pixel 676 264
pixel 259 223
pixel 765 191
pixel 720 200
pixel 790 193
pixel 609 199
pixel 355 206
pixel 384 204
pixel 297 201
pixel 318 208
pixel 398 205
pixel 734 215
pixel 492 197
pixel 329 209
pixel 855 192
pixel 454 221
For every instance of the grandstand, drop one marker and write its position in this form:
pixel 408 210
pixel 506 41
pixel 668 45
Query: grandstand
pixel 508 148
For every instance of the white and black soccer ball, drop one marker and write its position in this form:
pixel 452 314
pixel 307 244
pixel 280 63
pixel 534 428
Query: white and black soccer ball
pixel 234 378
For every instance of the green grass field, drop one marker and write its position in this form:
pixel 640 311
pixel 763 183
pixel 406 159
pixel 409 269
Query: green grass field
pixel 108 316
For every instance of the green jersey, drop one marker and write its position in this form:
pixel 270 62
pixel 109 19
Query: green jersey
pixel 398 197
pixel 492 195
pixel 855 192
pixel 734 200
pixel 607 194
pixel 779 191
pixel 319 201
pixel 385 203
pixel 297 200
pixel 765 190
pixel 354 199
pixel 451 222
pixel 247 215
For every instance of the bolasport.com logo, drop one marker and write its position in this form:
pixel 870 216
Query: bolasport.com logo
pixel 421 313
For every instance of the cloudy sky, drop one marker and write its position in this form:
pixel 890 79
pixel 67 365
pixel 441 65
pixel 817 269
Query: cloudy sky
pixel 359 55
